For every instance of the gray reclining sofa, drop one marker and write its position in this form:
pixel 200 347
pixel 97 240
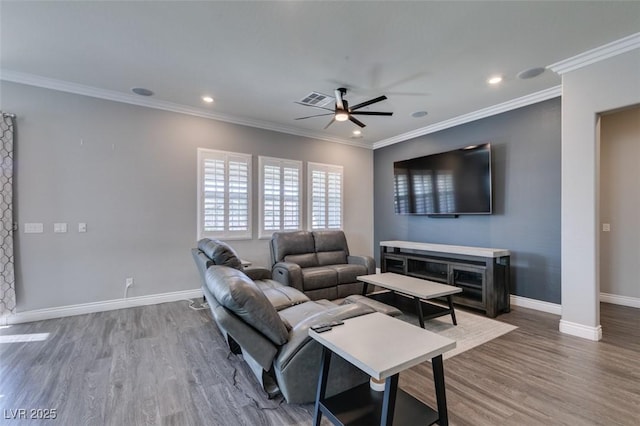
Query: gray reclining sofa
pixel 318 263
pixel 268 323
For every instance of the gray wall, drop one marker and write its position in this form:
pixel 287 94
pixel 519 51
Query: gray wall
pixel 526 195
pixel 133 181
pixel 620 203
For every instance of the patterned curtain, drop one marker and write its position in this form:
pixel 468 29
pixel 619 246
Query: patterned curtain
pixel 7 279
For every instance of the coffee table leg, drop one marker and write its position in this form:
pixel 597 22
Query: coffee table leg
pixel 419 310
pixel 389 400
pixel 453 313
pixel 365 287
pixel 322 384
pixel 438 379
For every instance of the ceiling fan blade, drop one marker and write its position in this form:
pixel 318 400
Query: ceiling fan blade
pixel 330 123
pixel 371 113
pixel 355 120
pixel 311 116
pixel 312 106
pixel 339 104
pixel 369 102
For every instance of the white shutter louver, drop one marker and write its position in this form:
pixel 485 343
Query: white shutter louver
pixel 280 203
pixel 325 200
pixel 224 194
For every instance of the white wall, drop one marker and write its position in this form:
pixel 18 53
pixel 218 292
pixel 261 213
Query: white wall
pixel 606 85
pixel 620 203
pixel 133 181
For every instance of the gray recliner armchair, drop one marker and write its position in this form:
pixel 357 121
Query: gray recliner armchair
pixel 318 263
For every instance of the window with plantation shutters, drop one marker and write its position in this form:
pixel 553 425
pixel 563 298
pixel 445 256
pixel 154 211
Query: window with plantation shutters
pixel 224 194
pixel 280 195
pixel 325 196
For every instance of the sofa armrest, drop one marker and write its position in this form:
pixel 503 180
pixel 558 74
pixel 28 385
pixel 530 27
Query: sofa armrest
pixel 299 335
pixel 288 273
pixel 366 261
pixel 251 341
pixel 257 273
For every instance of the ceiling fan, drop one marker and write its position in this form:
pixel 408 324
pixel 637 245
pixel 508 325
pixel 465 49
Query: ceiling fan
pixel 343 112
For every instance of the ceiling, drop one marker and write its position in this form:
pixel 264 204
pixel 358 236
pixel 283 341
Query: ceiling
pixel 257 58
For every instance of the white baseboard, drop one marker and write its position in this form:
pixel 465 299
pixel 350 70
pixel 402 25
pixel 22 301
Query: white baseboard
pixel 580 330
pixel 107 305
pixel 615 299
pixel 538 305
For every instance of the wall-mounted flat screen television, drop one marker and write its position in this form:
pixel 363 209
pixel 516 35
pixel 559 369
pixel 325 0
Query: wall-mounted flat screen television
pixel 449 183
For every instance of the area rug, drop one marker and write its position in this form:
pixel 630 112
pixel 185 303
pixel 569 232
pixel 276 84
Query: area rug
pixel 472 330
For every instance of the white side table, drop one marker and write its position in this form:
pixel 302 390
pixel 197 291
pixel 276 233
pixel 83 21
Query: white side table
pixel 382 347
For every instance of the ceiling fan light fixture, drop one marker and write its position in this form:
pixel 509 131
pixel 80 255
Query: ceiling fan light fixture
pixel 342 116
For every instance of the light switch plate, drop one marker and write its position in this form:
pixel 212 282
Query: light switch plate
pixel 82 227
pixel 60 228
pixel 606 227
pixel 33 228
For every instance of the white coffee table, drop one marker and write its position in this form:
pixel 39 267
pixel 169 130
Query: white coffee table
pixel 420 290
pixel 382 347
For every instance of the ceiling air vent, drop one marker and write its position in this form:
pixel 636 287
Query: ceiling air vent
pixel 317 99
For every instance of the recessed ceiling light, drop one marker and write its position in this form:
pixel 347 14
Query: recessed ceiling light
pixel 530 73
pixel 357 132
pixel 419 114
pixel 495 79
pixel 142 91
pixel 207 99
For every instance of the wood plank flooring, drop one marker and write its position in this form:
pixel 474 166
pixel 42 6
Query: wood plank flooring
pixel 167 365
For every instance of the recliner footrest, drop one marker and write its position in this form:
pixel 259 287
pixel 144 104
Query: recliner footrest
pixel 374 304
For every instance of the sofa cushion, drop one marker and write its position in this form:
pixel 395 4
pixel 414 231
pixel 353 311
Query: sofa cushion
pixel 331 257
pixel 296 314
pixel 347 273
pixel 236 292
pixel 279 295
pixel 220 253
pixel 288 243
pixel 319 277
pixel 330 241
pixel 306 260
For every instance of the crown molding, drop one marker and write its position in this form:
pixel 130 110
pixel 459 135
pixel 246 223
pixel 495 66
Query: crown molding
pixel 596 55
pixel 111 95
pixel 533 98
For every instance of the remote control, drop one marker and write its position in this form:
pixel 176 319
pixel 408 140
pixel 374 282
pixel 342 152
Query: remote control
pixel 321 328
pixel 326 324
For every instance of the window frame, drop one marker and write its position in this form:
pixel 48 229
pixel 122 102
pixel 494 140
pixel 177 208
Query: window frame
pixel 326 168
pixel 282 163
pixel 204 154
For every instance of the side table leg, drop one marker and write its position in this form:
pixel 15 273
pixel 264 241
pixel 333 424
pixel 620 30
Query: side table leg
pixel 389 400
pixel 453 313
pixel 419 311
pixel 441 397
pixel 365 287
pixel 322 384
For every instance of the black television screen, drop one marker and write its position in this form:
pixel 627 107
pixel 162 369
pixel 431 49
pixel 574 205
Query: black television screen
pixel 449 183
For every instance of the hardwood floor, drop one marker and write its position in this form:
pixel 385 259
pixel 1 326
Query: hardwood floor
pixel 167 365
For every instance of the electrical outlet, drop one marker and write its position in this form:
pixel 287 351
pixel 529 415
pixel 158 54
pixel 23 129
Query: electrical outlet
pixel 606 227
pixel 128 282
